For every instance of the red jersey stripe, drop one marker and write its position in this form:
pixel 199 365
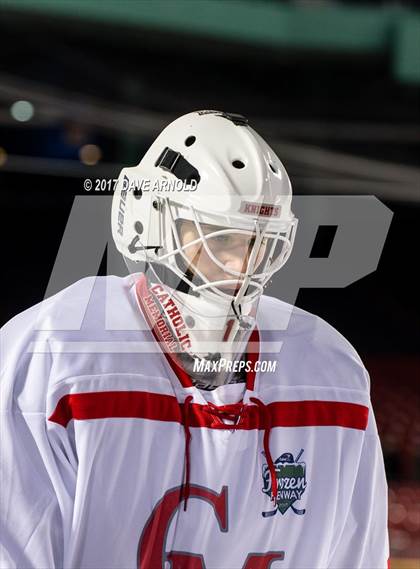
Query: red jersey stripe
pixel 158 407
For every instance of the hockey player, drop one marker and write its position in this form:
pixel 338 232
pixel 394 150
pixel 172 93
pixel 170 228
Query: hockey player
pixel 138 428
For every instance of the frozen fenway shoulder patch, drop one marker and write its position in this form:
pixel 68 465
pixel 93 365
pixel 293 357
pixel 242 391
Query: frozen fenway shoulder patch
pixel 291 477
pixel 260 209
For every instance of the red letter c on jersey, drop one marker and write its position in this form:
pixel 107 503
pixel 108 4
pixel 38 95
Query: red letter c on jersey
pixel 151 550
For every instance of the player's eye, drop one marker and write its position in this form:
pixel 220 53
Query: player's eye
pixel 222 239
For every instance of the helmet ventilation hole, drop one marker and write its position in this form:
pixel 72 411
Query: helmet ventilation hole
pixel 138 226
pixel 238 164
pixel 190 141
pixel 137 193
pixel 273 168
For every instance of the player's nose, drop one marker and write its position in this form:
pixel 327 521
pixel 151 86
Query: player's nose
pixel 236 263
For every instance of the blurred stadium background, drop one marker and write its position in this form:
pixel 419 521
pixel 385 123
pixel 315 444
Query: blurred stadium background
pixel 85 86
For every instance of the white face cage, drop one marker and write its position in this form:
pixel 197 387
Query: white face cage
pixel 277 241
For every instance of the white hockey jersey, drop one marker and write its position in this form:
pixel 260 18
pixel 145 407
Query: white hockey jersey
pixel 110 459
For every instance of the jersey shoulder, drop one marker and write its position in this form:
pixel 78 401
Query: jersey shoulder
pixel 67 334
pixel 81 305
pixel 312 350
pixel 68 308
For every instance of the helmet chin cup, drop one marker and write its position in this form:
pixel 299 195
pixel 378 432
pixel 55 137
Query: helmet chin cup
pixel 206 328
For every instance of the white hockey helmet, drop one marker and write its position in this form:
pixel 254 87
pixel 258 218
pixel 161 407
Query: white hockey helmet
pixel 213 169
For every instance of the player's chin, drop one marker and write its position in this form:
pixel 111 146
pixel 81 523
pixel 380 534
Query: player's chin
pixel 231 289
